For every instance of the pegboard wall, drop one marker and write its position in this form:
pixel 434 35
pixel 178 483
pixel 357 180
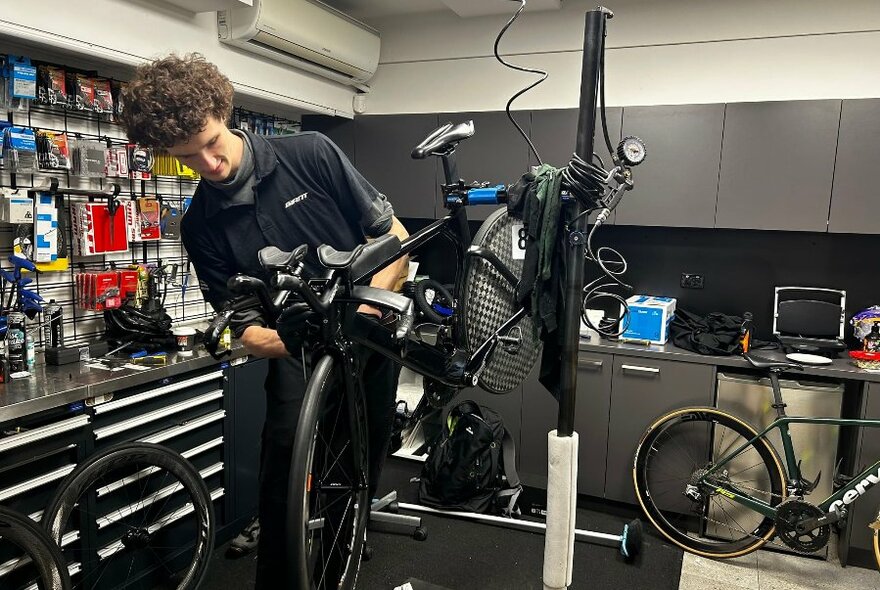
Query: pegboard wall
pixel 182 299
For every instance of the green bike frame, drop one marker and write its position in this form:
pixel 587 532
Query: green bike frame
pixel 839 499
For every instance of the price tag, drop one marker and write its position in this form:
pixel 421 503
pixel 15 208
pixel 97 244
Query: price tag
pixel 518 242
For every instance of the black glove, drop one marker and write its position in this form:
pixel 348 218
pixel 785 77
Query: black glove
pixel 292 325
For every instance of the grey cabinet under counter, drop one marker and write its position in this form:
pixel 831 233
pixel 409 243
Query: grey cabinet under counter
pixel 642 389
pixel 383 144
pixel 677 184
pixel 855 206
pixel 864 510
pixel 777 165
pixel 540 412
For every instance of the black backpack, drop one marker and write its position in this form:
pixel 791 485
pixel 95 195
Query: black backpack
pixel 471 465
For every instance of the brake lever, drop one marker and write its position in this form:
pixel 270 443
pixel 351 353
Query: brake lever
pixel 213 335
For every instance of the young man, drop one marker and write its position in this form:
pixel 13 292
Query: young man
pixel 255 192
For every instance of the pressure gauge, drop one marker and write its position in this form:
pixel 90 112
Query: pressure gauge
pixel 631 150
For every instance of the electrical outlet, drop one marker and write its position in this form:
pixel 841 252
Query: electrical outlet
pixel 692 281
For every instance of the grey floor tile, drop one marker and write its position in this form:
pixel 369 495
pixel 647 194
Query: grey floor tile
pixel 741 572
pixel 696 582
pixel 782 571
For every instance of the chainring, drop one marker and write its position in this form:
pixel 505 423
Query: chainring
pixel 792 512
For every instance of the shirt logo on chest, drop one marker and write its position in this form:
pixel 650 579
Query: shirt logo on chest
pixel 295 200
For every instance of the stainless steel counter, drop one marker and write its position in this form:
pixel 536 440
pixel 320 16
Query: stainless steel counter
pixel 840 368
pixel 54 386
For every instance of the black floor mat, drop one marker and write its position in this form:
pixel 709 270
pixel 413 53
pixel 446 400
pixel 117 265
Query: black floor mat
pixel 464 555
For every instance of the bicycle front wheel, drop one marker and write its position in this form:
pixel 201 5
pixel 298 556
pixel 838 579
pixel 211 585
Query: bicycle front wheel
pixel 28 556
pixel 328 503
pixel 690 509
pixel 134 512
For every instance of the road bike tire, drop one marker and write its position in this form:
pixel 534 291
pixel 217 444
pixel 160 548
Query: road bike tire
pixel 328 492
pixel 138 524
pixel 877 540
pixel 701 526
pixel 40 556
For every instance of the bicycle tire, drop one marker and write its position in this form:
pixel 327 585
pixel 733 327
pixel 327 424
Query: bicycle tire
pixel 38 548
pixel 87 494
pixel 697 527
pixel 328 496
pixel 877 541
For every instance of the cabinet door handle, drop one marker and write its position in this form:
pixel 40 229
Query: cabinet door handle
pixel 590 364
pixel 648 371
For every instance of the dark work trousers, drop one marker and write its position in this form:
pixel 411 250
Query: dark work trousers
pixel 285 388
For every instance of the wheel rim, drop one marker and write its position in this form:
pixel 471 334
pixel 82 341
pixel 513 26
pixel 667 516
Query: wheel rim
pixel 335 494
pixel 28 556
pixel 693 515
pixel 135 516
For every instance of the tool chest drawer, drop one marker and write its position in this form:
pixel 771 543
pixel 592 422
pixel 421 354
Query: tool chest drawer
pixel 36 453
pixel 162 411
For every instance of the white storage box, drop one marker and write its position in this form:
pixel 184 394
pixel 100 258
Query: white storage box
pixel 649 318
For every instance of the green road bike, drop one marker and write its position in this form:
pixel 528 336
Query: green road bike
pixel 716 486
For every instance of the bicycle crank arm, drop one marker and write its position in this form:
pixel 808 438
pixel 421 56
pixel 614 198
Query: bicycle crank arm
pixel 814 523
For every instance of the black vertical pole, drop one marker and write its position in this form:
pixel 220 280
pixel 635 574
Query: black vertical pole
pixel 594 34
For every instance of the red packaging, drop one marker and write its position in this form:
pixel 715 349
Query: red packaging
pixel 96 232
pixel 107 290
pixel 128 284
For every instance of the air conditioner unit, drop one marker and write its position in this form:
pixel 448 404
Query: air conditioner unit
pixel 307 34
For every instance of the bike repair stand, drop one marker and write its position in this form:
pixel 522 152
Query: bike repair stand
pixel 562 443
pixel 560 531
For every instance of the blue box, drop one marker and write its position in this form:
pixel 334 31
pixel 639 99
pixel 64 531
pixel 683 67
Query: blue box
pixel 649 318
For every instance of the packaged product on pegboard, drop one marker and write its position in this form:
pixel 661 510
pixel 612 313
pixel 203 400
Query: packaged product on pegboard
pixel 142 219
pixel 96 230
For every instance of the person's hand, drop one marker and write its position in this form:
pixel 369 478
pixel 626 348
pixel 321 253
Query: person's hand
pixel 292 325
pixel 370 310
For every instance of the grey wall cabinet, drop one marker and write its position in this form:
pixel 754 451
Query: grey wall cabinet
pixel 855 206
pixel 554 134
pixel 677 185
pixel 496 153
pixel 864 510
pixel 540 412
pixel 777 164
pixel 383 144
pixel 642 390
pixel 339 130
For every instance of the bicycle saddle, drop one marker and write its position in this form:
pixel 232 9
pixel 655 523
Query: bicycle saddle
pixel 440 139
pixel 363 258
pixel 771 364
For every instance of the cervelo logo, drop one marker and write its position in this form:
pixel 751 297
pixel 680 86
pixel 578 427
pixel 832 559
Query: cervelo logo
pixel 296 200
pixel 850 496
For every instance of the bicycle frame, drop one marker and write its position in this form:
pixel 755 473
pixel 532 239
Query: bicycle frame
pixel 422 358
pixel 839 499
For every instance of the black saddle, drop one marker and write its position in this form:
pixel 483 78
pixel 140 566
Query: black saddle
pixel 442 139
pixel 363 259
pixel 771 364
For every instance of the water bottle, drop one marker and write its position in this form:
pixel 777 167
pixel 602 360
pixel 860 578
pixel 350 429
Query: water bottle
pixel 16 352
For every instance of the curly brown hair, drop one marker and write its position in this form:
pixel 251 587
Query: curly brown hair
pixel 170 99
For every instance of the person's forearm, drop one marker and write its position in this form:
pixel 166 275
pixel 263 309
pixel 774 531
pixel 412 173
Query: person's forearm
pixel 263 342
pixel 387 278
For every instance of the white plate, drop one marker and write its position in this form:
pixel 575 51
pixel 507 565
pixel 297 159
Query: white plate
pixel 808 359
